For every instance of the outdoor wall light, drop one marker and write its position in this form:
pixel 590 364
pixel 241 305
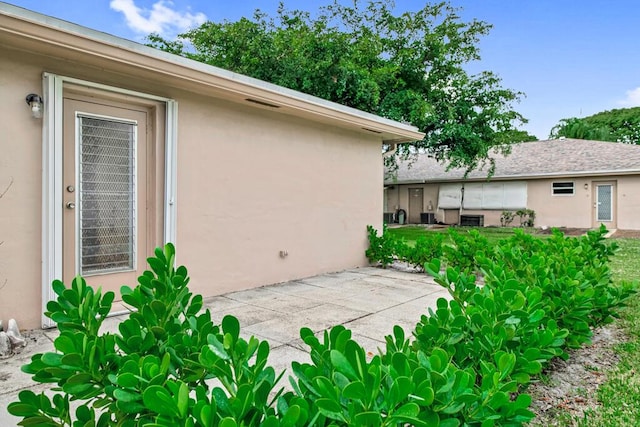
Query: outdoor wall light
pixel 586 186
pixel 35 103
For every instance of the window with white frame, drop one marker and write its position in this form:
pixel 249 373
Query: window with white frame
pixel 563 188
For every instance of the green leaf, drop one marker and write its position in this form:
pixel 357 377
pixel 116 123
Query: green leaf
pixel 450 422
pixel 369 419
pixel 126 395
pixel 183 399
pixel 342 364
pixel 158 400
pixel 22 409
pixel 291 416
pixel 127 380
pixel 231 325
pixel 330 409
pixel 228 422
pixel 52 359
pixel 355 390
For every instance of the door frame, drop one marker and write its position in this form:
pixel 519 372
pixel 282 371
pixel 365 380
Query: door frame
pixel 417 190
pixel 52 179
pixel 613 223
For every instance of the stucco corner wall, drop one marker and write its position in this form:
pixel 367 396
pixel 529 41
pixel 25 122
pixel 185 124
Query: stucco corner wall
pixel 628 203
pixel 21 205
pixel 252 183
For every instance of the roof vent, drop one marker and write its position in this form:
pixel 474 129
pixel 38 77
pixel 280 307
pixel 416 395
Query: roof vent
pixel 265 104
pixel 562 138
pixel 372 130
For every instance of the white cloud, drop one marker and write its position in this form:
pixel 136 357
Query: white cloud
pixel 161 19
pixel 632 98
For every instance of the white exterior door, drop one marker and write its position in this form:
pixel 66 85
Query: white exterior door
pixel 104 228
pixel 605 204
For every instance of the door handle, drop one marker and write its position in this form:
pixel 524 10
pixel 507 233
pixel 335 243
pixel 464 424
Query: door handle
pixel 71 205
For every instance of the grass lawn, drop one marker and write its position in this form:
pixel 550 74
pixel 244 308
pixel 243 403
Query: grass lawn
pixel 410 234
pixel 619 396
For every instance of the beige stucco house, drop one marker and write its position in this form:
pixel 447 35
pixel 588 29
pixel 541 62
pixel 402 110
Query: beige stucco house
pixel 567 182
pixel 133 147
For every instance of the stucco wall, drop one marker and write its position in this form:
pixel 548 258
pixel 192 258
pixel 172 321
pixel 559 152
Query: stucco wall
pixel 21 206
pixel 561 210
pixel 251 182
pixel 629 202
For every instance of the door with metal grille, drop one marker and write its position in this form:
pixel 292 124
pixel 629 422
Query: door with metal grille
pixel 104 193
pixel 605 204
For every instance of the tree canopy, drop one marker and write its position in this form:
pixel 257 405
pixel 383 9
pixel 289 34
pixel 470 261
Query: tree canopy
pixel 408 67
pixel 619 125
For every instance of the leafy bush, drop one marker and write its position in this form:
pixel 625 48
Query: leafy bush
pixel 382 249
pixel 158 369
pixel 169 365
pixel 401 386
pixel 527 217
pixel 506 218
pixel 425 249
pixel 465 249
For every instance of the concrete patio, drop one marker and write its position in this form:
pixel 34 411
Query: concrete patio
pixel 368 301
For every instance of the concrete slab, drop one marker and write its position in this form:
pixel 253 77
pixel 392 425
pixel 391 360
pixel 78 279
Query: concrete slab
pixel 369 301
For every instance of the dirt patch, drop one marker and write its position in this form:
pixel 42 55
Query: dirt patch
pixel 567 231
pixel 570 387
pixel 626 234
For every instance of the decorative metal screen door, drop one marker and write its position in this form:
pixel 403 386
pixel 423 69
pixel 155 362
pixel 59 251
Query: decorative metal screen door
pixel 104 194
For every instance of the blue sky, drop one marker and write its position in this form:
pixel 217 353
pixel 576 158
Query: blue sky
pixel 571 58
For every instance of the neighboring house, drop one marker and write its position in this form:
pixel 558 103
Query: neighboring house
pixel 567 182
pixel 254 183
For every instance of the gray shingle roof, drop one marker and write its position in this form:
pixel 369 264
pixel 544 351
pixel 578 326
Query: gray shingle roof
pixel 555 157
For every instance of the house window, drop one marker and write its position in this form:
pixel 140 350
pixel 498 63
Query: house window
pixel 562 188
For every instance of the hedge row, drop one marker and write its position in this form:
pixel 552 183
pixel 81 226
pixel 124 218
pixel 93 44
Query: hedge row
pixel 465 363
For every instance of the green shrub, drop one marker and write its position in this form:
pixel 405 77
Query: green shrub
pixel 157 370
pixel 382 249
pixel 506 218
pixel 169 365
pixel 424 250
pixel 527 217
pixel 465 249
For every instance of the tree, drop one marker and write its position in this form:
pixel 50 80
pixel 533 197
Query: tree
pixel 408 67
pixel 619 125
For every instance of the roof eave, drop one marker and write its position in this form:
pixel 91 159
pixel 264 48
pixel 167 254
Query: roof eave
pixel 567 174
pixel 44 35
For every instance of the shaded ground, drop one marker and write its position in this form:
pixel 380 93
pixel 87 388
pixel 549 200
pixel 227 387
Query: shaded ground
pixel 569 388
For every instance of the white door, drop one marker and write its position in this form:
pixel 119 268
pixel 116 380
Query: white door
pixel 104 193
pixel 605 204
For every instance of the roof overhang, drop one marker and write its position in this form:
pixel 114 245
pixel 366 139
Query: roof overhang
pixel 29 31
pixel 564 175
